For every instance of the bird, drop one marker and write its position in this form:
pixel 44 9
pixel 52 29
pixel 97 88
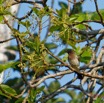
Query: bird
pixel 74 62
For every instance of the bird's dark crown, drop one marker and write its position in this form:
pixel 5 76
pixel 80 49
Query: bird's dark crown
pixel 70 51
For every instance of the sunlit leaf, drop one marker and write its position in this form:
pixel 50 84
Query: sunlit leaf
pixel 95 15
pixel 8 91
pixel 7 65
pixel 86 55
pixel 62 52
pixel 26 23
pixel 1 1
pixel 51 45
pixel 1 19
pixel 60 100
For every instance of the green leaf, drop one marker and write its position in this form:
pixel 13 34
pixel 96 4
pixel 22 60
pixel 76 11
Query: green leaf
pixel 54 86
pixel 62 52
pixel 95 16
pixel 19 100
pixel 81 26
pixel 34 44
pixel 3 94
pixel 63 5
pixel 15 48
pixel 52 60
pixel 51 45
pixel 4 11
pixel 40 89
pixel 26 23
pixel 1 1
pixel 86 55
pixel 99 100
pixel 60 100
pixel 65 58
pixel 8 91
pixel 77 8
pixel 34 93
pixel 82 17
pixel 7 65
pixel 85 59
pixel 54 28
pixel 72 94
pixel 36 11
pixel 78 50
pixel 62 13
pixel 1 18
pixel 41 12
pixel 73 18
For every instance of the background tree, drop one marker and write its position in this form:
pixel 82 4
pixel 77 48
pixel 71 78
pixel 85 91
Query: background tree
pixel 43 35
pixel 5 34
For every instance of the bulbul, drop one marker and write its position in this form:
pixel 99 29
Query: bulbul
pixel 73 61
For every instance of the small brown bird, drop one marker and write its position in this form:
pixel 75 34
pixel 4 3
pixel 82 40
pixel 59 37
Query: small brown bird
pixel 74 62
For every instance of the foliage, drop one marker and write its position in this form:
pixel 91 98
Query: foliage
pixel 45 30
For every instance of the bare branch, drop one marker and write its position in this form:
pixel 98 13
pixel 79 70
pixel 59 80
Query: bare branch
pixel 6 40
pixel 49 76
pixel 61 90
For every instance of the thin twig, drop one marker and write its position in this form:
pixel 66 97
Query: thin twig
pixel 6 40
pixel 24 17
pixel 97 9
pixel 98 42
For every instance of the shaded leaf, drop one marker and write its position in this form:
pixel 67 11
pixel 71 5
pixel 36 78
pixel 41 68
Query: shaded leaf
pixel 19 100
pixel 60 100
pixel 54 86
pixel 71 93
pixel 7 65
pixel 54 28
pixel 77 8
pixel 63 5
pixel 34 93
pixel 62 52
pixel 15 48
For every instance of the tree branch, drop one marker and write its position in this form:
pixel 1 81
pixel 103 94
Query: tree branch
pixel 44 99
